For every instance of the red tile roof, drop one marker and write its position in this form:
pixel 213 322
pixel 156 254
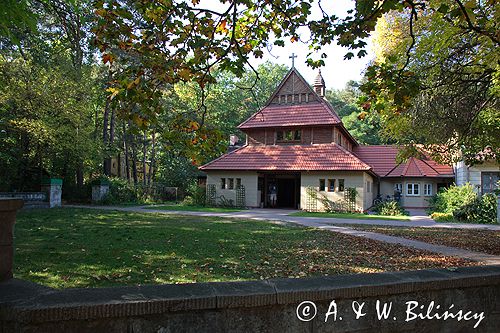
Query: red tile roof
pixel 289 158
pixel 292 115
pixel 383 161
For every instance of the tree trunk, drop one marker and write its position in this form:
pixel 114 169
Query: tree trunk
pixel 152 165
pixel 125 147
pixel 144 155
pixel 134 158
pixel 105 135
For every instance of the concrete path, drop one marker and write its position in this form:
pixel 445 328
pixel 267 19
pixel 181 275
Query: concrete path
pixel 282 215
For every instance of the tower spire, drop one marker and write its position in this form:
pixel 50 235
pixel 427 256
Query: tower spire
pixel 319 84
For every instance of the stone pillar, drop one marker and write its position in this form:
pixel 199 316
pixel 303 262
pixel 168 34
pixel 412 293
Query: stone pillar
pixel 99 192
pixel 53 188
pixel 8 210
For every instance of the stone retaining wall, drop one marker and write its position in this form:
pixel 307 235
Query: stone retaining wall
pixel 262 306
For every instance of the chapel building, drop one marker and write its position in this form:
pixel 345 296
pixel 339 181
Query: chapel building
pixel 297 142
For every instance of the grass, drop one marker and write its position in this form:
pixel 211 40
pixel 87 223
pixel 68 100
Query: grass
pixel 479 240
pixel 71 247
pixel 181 207
pixel 351 216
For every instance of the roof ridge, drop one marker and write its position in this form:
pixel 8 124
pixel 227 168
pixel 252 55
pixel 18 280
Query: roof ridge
pixel 394 146
pixel 330 108
pixel 251 117
pixel 416 165
pixel 430 166
pixel 390 171
pixel 349 153
pixel 405 170
pixel 220 157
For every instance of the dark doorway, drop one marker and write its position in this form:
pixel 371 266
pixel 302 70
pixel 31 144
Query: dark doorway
pixel 286 187
pixel 286 193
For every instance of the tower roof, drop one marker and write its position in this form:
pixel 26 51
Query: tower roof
pixel 319 81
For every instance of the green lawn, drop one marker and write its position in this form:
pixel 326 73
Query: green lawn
pixel 183 208
pixel 72 247
pixel 351 216
pixel 479 240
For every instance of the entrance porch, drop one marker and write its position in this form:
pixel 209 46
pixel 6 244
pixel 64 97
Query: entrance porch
pixel 279 189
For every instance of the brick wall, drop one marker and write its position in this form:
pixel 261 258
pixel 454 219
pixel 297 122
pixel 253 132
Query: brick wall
pixel 261 306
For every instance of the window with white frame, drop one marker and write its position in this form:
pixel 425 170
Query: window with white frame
pixel 398 187
pixel 428 189
pixel 412 189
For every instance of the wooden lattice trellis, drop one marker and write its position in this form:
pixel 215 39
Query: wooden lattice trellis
pixel 211 195
pixel 240 196
pixel 311 199
pixel 350 198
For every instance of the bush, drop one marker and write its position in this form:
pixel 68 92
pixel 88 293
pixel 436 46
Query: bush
pixel 188 201
pixel 389 208
pixel 482 210
pixel 464 205
pixel 452 198
pixel 120 191
pixel 442 217
pixel 198 195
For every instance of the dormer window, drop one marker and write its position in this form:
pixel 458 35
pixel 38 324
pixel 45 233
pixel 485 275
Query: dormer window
pixel 288 136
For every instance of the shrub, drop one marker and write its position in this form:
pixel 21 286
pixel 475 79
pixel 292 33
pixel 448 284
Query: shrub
pixel 120 191
pixel 452 198
pixel 390 208
pixel 442 217
pixel 198 195
pixel 482 210
pixel 188 201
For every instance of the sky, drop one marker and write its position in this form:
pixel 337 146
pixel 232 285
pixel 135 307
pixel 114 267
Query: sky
pixel 337 71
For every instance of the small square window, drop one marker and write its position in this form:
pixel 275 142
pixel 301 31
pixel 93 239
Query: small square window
pixel 341 185
pixel 331 185
pixel 223 183
pixel 230 183
pixel 322 186
pixel 398 187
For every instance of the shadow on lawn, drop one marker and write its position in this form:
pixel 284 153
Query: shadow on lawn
pixel 88 248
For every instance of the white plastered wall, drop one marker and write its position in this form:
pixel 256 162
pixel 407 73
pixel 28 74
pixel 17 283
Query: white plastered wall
pixel 248 179
pixel 356 179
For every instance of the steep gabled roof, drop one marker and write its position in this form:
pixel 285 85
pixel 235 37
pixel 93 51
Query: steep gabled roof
pixel 291 115
pixel 315 112
pixel 289 158
pixel 383 161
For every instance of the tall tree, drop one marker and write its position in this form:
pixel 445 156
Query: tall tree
pixel 437 84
